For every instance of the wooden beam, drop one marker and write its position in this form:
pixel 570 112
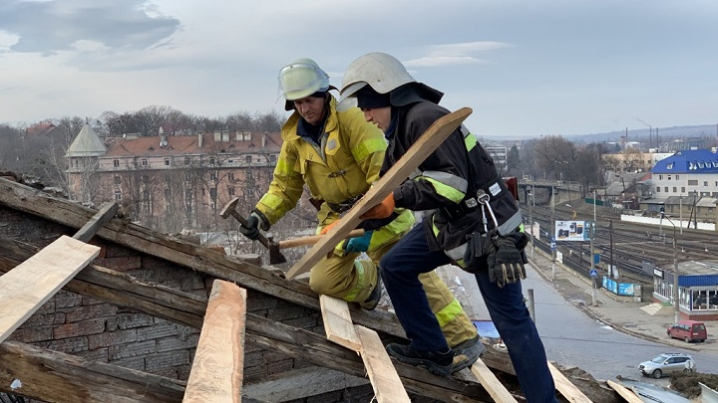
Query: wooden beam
pixel 300 383
pixel 185 308
pixel 201 259
pixel 567 389
pixel 56 377
pixel 25 288
pixel 384 379
pixel 492 384
pixel 89 230
pixel 188 309
pixel 218 365
pixel 417 153
pixel 338 323
pixel 625 392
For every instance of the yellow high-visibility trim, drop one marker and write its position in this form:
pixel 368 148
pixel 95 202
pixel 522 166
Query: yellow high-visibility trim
pixel 368 147
pixel 446 191
pixel 361 280
pixel 449 313
pixel 470 141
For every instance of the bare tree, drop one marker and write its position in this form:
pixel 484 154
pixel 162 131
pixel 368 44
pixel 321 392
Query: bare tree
pixel 556 156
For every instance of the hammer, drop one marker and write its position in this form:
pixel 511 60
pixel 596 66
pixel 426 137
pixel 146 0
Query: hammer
pixel 275 256
pixel 229 209
pixel 274 247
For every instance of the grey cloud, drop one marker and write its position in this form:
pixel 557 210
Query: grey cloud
pixel 51 26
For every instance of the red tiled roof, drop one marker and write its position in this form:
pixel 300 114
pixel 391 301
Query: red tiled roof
pixel 40 128
pixel 179 145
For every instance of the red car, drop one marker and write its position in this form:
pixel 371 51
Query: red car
pixel 688 330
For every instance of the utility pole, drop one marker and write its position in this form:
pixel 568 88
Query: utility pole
pixel 676 304
pixel 610 238
pixel 531 219
pixel 590 248
pixel 675 276
pixel 680 212
pixel 553 238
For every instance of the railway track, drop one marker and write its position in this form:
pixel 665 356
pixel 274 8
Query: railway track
pixel 628 245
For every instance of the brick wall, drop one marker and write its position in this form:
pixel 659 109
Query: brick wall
pixel 103 332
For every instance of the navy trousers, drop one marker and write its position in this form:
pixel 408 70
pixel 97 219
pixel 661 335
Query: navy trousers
pixel 400 269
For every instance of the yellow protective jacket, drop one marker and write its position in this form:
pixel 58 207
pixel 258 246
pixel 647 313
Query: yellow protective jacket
pixel 344 167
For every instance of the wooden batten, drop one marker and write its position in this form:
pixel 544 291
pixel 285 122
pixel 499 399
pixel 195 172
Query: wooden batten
pixel 382 374
pixel 338 324
pixel 567 389
pixel 25 288
pixel 492 384
pixel 218 365
pixel 625 392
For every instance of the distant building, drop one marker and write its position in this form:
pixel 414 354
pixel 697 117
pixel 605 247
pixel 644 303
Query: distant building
pixel 685 184
pixel 498 152
pixel 172 182
pixel 632 161
pixel 684 144
pixel 685 173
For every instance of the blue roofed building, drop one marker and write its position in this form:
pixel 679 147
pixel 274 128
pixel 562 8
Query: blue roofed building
pixel 686 172
pixel 685 184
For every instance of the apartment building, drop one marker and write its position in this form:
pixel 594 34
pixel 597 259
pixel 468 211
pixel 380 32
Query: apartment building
pixel 172 182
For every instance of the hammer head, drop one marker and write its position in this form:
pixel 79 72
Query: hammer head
pixel 229 208
pixel 275 256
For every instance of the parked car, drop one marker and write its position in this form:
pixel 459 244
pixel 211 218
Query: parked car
pixel 688 330
pixel 666 364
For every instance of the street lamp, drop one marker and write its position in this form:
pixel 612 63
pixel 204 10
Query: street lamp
pixel 675 269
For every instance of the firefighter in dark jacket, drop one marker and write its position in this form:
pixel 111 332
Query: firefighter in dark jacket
pixel 474 224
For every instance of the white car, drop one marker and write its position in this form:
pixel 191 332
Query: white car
pixel 666 364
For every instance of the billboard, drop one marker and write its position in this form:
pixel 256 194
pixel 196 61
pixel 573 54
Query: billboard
pixel 573 231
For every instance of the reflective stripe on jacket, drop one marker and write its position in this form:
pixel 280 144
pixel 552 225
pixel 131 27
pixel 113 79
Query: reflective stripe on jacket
pixel 449 176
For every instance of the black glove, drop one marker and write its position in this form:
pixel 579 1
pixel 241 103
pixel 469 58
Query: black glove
pixel 506 264
pixel 251 231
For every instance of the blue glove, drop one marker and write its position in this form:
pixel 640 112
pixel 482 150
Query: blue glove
pixel 359 244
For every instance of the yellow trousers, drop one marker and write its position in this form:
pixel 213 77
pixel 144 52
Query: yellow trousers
pixel 352 280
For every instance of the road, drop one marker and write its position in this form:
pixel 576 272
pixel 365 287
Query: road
pixel 571 338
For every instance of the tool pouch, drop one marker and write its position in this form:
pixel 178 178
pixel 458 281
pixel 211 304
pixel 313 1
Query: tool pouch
pixel 475 257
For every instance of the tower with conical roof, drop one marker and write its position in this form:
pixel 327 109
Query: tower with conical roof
pixel 82 157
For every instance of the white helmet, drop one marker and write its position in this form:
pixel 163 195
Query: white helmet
pixel 382 72
pixel 301 79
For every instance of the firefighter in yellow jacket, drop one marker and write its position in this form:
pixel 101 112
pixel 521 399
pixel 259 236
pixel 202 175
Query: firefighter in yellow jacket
pixel 338 155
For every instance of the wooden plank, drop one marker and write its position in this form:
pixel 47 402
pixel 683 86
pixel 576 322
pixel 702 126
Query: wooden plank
pixel 568 390
pixel 122 231
pixel 492 384
pixel 382 374
pixel 625 392
pixel 25 288
pixel 52 376
pixel 187 309
pixel 300 383
pixel 217 369
pixel 417 153
pixel 89 230
pixel 338 323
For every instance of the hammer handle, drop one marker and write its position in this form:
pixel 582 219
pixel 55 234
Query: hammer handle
pixel 262 239
pixel 311 240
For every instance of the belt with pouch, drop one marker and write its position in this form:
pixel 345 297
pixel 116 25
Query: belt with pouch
pixel 466 206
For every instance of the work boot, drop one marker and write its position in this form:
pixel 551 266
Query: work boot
pixel 466 353
pixel 436 362
pixel 373 300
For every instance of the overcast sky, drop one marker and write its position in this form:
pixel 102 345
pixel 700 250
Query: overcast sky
pixel 527 68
